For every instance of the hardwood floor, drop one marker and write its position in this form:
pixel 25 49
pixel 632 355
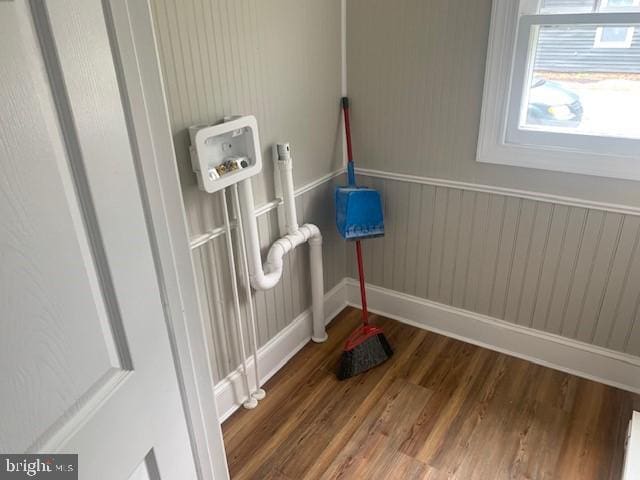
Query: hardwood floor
pixel 439 409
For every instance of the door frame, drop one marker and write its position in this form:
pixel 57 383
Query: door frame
pixel 134 47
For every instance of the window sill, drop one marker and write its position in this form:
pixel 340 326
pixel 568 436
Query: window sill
pixel 560 160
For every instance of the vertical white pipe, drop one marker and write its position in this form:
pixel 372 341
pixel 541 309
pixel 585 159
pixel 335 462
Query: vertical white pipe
pixel 212 285
pixel 285 167
pixel 264 278
pixel 343 47
pixel 285 170
pixel 250 402
pixel 317 289
pixel 343 69
pixel 258 393
pixel 259 280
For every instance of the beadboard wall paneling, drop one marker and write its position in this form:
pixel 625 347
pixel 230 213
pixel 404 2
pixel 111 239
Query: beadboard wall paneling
pixel 560 269
pixel 276 308
pixel 278 60
pixel 416 76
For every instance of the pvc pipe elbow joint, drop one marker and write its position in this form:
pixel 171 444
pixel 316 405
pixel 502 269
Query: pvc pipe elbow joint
pixel 272 269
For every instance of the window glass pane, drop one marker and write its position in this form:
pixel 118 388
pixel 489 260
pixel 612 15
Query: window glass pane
pixel 567 6
pixel 575 86
pixel 588 6
pixel 614 34
pixel 617 4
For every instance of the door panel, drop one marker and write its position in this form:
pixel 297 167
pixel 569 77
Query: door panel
pixel 85 359
pixel 55 314
pixel 147 470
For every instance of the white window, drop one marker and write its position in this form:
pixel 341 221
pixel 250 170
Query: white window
pixel 614 37
pixel 562 87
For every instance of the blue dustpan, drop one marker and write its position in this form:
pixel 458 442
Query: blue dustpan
pixel 358 210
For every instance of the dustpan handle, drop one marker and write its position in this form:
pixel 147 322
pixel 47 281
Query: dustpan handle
pixel 351 174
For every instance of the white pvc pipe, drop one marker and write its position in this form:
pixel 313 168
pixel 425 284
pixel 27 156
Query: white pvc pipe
pixel 317 289
pixel 250 402
pixel 343 70
pixel 267 276
pixel 285 171
pixel 343 48
pixel 258 393
pixel 259 279
pixel 212 284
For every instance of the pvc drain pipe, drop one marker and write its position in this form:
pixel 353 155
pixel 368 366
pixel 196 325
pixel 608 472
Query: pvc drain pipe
pixel 284 165
pixel 267 276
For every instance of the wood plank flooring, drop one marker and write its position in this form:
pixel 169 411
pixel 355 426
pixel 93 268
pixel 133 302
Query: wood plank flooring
pixel 439 409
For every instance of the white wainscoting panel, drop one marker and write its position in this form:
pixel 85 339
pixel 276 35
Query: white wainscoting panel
pixel 276 353
pixel 571 356
pixel 560 268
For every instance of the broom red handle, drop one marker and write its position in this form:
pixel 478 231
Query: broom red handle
pixel 352 181
pixel 363 293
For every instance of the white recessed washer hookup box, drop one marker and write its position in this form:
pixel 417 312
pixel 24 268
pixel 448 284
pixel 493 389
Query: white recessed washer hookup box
pixel 226 153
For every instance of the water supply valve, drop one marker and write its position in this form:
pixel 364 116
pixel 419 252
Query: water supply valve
pixel 226 153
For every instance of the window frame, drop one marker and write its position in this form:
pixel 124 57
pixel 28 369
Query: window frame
pixel 628 41
pixel 501 141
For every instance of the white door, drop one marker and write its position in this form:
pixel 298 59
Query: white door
pixel 85 360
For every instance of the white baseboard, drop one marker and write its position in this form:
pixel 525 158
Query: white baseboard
pixel 277 352
pixel 578 358
pixel 568 355
pixel 631 468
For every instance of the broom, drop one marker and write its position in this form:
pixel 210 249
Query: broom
pixel 367 346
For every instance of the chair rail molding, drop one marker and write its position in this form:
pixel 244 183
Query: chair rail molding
pixel 509 192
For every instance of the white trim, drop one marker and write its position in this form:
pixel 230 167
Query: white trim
pixel 560 353
pixel 315 183
pixel 343 75
pixel 131 28
pixel 509 192
pixel 277 352
pixel 631 468
pixel 500 141
pixel 343 48
pixel 197 241
pixel 577 358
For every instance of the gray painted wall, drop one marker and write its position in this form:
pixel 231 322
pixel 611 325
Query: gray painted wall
pixel 565 270
pixel 280 61
pixel 416 72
